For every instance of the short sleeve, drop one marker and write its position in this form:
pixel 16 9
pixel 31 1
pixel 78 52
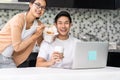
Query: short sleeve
pixel 43 50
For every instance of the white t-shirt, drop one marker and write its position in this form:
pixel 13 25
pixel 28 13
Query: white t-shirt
pixel 46 50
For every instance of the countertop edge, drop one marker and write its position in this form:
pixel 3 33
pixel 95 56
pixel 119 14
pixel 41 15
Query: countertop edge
pixel 114 50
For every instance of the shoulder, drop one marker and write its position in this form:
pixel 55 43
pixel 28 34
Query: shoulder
pixel 19 16
pixel 73 38
pixel 22 14
pixel 45 44
pixel 18 20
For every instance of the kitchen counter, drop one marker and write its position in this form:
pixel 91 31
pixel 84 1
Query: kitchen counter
pixel 115 50
pixel 40 73
pixel 14 5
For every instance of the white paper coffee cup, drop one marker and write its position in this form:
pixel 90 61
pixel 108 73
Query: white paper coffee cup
pixel 59 49
pixel 50 33
pixel 48 38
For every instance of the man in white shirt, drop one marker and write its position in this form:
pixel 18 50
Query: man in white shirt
pixel 47 56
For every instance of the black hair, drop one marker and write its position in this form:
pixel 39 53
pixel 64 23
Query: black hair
pixel 32 1
pixel 62 13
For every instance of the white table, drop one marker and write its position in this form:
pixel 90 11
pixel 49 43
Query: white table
pixel 108 73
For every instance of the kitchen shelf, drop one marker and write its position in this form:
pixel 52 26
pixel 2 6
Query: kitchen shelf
pixel 14 5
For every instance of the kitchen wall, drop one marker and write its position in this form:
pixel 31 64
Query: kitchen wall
pixel 88 24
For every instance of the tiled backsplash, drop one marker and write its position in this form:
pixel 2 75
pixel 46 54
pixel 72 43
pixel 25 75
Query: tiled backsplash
pixel 96 25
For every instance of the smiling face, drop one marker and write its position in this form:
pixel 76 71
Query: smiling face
pixel 63 26
pixel 37 8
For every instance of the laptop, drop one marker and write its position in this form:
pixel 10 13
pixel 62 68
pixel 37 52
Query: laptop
pixel 90 55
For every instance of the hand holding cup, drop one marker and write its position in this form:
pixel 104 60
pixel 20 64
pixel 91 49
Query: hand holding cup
pixel 60 51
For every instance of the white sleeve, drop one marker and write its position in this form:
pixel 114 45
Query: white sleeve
pixel 43 50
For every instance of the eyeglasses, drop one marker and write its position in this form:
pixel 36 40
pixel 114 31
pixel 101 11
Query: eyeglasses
pixel 39 6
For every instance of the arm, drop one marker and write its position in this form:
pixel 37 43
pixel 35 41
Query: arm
pixel 44 54
pixel 56 57
pixel 39 40
pixel 17 24
pixel 41 62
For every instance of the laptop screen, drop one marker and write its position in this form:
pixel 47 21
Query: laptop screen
pixel 90 54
